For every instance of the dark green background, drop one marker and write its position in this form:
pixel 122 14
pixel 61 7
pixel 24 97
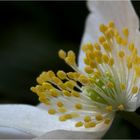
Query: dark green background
pixel 31 33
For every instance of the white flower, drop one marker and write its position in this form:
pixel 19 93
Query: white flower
pixel 84 102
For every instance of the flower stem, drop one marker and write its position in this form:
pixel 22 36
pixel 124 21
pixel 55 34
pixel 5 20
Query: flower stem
pixel 131 117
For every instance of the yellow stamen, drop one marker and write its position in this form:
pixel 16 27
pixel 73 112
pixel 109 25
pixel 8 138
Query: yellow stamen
pixel 110 85
pixel 123 86
pixel 111 24
pixel 134 89
pixel 107 121
pixel 121 107
pixel 62 110
pixel 102 39
pixel 109 108
pixel 60 104
pixel 62 118
pixel 62 54
pixel 61 74
pixel 75 93
pixel 87 118
pixel 78 106
pixel 51 111
pixel 88 70
pixel 121 54
pixel 103 28
pixel 89 124
pixel 66 93
pixel 125 32
pixel 79 124
pixel 99 117
pixel 105 58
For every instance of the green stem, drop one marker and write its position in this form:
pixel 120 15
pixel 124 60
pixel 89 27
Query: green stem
pixel 131 117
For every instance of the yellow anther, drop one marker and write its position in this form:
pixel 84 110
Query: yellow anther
pixel 93 64
pixel 33 89
pixel 102 28
pixel 53 92
pixel 111 24
pixel 48 86
pixel 110 85
pixel 105 58
pixel 50 73
pixel 78 106
pixel 90 55
pixel 66 93
pixel 123 86
pixel 97 53
pixel 84 47
pixel 62 110
pixel 119 39
pixel 124 42
pixel 62 54
pixel 56 80
pixel 90 47
pixel 106 46
pixel 107 121
pixel 44 100
pixel 62 86
pixel 97 74
pixel 88 69
pixel 79 124
pixel 134 89
pixel 121 107
pixel 71 75
pixel 75 93
pixel 62 118
pixel 86 61
pixel 129 65
pixel 99 117
pixel 109 108
pixel 89 124
pixel 60 104
pixel 61 74
pixel 97 46
pixel 70 60
pixel 98 60
pixel 131 47
pixel 52 111
pixel 111 61
pixel 121 54
pixel 109 33
pixel 68 116
pixel 116 33
pixel 87 118
pixel 125 32
pixel 137 60
pixel 71 54
pixel 102 39
pixel 43 77
pixel 137 71
pixel 70 84
pixel 83 79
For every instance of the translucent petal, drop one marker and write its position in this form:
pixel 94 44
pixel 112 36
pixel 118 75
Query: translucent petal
pixel 121 12
pixel 37 122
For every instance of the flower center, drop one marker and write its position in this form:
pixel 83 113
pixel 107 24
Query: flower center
pixel 109 82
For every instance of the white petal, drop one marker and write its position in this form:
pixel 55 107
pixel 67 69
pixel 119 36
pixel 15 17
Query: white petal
pixel 121 12
pixel 37 122
pixel 137 44
pixel 11 133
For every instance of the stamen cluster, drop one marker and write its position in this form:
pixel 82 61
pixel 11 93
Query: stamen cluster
pixel 108 83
